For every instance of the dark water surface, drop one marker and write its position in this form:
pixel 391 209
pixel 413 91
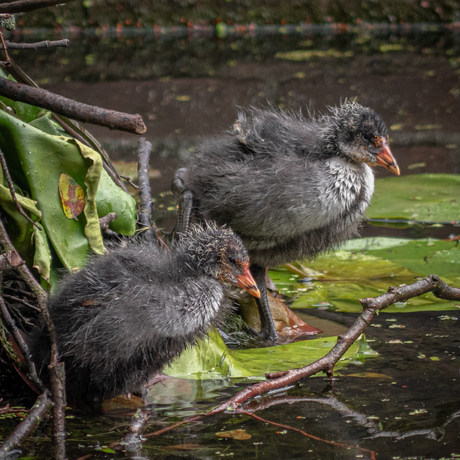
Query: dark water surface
pixel 403 404
pixel 189 87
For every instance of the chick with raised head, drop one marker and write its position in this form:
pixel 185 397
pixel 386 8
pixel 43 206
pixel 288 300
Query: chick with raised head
pixel 290 187
pixel 129 313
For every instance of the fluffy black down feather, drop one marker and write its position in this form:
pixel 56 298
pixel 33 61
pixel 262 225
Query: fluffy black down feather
pixel 129 313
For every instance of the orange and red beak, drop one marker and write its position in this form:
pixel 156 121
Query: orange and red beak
pixel 386 159
pixel 247 282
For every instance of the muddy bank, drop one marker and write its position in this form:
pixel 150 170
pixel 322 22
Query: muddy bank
pixel 166 12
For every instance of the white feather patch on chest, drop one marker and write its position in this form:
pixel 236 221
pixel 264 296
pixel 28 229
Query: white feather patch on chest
pixel 347 191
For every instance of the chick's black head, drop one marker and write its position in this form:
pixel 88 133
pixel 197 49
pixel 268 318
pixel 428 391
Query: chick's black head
pixel 219 253
pixel 359 135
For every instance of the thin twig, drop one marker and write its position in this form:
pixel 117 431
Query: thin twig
pixel 145 193
pixel 37 45
pixel 5 51
pixel 130 182
pixel 175 425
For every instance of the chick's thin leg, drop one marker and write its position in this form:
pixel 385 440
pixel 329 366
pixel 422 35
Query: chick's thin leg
pixel 268 329
pixel 186 203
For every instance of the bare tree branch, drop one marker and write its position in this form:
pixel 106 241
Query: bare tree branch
pixel 27 426
pixel 70 108
pixel 326 364
pixel 21 6
pixel 145 193
pixel 431 283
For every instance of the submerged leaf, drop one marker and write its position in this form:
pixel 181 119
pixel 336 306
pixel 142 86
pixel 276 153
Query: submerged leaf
pixel 182 447
pixel 370 375
pixel 241 435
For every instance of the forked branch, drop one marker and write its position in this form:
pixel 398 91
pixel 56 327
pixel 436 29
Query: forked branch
pixel 371 306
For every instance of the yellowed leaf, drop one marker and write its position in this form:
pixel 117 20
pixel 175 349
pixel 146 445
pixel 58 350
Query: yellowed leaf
pixel 370 375
pixel 182 447
pixel 72 196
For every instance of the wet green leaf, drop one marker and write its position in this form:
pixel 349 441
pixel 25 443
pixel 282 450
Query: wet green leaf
pixel 17 226
pixel 211 359
pixel 36 160
pixel 42 255
pixel 366 267
pixel 422 197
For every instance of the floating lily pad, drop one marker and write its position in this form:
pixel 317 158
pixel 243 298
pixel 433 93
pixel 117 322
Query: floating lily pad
pixel 421 197
pixel 211 359
pixel 366 267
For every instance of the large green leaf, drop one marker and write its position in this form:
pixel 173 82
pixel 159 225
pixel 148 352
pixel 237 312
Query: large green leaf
pixel 36 161
pixel 422 197
pixel 367 267
pixel 211 359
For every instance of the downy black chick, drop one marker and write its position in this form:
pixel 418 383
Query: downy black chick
pixel 127 314
pixel 290 187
